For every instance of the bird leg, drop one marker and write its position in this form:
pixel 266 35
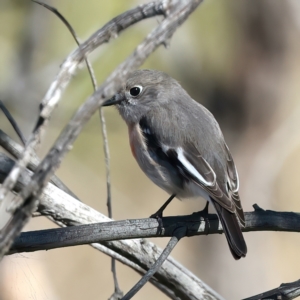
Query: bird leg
pixel 204 211
pixel 159 213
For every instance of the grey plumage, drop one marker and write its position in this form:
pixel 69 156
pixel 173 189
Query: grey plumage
pixel 179 145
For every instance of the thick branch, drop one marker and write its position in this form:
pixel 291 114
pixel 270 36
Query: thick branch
pixel 145 228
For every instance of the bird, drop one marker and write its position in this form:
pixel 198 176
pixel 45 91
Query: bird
pixel 179 145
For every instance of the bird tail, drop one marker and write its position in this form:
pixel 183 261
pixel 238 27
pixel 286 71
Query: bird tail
pixel 232 230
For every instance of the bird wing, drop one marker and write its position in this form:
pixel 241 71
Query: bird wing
pixel 233 180
pixel 186 164
pixel 193 165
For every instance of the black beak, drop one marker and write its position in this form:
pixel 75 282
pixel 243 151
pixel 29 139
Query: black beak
pixel 113 100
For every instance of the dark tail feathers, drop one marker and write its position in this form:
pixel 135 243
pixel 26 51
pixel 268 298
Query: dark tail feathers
pixel 232 231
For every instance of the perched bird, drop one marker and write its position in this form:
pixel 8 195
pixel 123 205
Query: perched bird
pixel 179 145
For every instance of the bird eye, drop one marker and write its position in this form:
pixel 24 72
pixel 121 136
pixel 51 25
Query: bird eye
pixel 136 90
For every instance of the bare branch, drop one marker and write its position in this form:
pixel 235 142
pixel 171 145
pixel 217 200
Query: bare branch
pixel 177 12
pixel 286 291
pixel 117 291
pixel 177 235
pixel 68 68
pixel 64 210
pixel 12 122
pixel 16 150
pixel 145 228
pixel 135 267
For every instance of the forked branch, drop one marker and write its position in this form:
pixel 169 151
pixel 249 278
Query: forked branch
pixel 176 13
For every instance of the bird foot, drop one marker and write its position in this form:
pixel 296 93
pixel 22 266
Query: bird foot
pixel 158 216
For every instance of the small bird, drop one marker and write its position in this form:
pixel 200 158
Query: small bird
pixel 179 145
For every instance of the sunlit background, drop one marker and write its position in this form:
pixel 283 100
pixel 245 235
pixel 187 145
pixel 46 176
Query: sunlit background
pixel 241 59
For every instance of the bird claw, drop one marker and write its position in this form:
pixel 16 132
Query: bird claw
pixel 158 216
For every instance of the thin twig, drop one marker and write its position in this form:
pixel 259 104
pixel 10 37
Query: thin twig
pixel 117 290
pixel 122 259
pixel 12 122
pixel 72 31
pixel 178 234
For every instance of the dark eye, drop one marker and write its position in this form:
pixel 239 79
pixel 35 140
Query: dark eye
pixel 136 90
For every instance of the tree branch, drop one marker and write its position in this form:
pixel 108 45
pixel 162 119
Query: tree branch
pixel 68 211
pixel 16 150
pixel 172 278
pixel 177 235
pixel 68 68
pixel 148 228
pixel 177 12
pixel 286 291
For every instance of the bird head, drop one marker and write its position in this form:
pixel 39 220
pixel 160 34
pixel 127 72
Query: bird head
pixel 144 91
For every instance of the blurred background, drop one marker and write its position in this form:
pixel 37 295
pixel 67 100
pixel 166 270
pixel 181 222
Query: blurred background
pixel 241 59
